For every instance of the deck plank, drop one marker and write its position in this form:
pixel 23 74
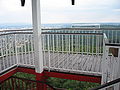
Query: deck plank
pixel 71 60
pixel 93 64
pixel 97 65
pixel 80 62
pixel 86 65
pixel 71 65
pixel 89 63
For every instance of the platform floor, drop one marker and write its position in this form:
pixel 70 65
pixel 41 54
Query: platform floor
pixel 58 61
pixel 74 61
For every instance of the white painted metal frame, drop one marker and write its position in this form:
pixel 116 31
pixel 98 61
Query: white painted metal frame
pixel 110 67
pixel 37 35
pixel 104 68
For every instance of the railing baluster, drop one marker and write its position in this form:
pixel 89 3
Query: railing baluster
pixel 30 53
pixel 82 45
pixel 116 37
pixel 85 43
pixel 2 55
pixel 89 43
pixel 72 45
pixel 100 45
pixel 69 42
pixel 32 49
pixel 22 38
pixel 48 53
pixel 43 48
pixel 86 39
pixel 16 51
pixel 92 45
pixel 112 32
pixel 6 51
pixel 62 44
pixel 57 49
pixel 77 43
pixel 29 49
pixel 96 45
pixel 24 48
pixel 12 50
pixel 53 49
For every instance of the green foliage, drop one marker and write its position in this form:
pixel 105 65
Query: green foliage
pixel 71 84
pixel 25 75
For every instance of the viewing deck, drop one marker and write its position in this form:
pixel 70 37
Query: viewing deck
pixel 84 54
pixel 90 54
pixel 65 50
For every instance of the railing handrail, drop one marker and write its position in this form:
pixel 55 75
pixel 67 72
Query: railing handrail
pixel 16 33
pixel 72 33
pixel 107 84
pixel 51 33
pixel 9 30
pixel 13 30
pixel 81 29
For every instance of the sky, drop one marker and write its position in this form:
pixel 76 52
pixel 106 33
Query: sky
pixel 61 11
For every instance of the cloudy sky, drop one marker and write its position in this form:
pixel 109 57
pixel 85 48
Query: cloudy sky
pixel 61 11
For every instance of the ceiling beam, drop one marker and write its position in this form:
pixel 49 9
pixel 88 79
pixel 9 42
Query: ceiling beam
pixel 22 2
pixel 73 2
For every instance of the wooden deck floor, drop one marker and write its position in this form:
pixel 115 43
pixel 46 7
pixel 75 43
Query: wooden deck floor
pixel 73 62
pixel 59 61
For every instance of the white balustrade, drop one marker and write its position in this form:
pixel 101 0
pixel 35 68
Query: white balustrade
pixel 110 63
pixel 63 49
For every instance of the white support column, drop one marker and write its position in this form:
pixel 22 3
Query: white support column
pixel 104 60
pixel 37 35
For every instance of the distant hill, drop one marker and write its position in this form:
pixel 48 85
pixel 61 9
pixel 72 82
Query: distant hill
pixel 59 25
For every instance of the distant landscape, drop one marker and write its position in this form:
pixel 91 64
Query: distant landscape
pixel 59 25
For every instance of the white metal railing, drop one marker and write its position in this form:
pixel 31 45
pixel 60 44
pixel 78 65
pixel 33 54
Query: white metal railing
pixel 62 50
pixel 111 67
pixel 73 43
pixel 113 34
pixel 17 47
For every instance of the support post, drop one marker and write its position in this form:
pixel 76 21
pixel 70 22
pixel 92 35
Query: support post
pixel 104 64
pixel 104 61
pixel 36 18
